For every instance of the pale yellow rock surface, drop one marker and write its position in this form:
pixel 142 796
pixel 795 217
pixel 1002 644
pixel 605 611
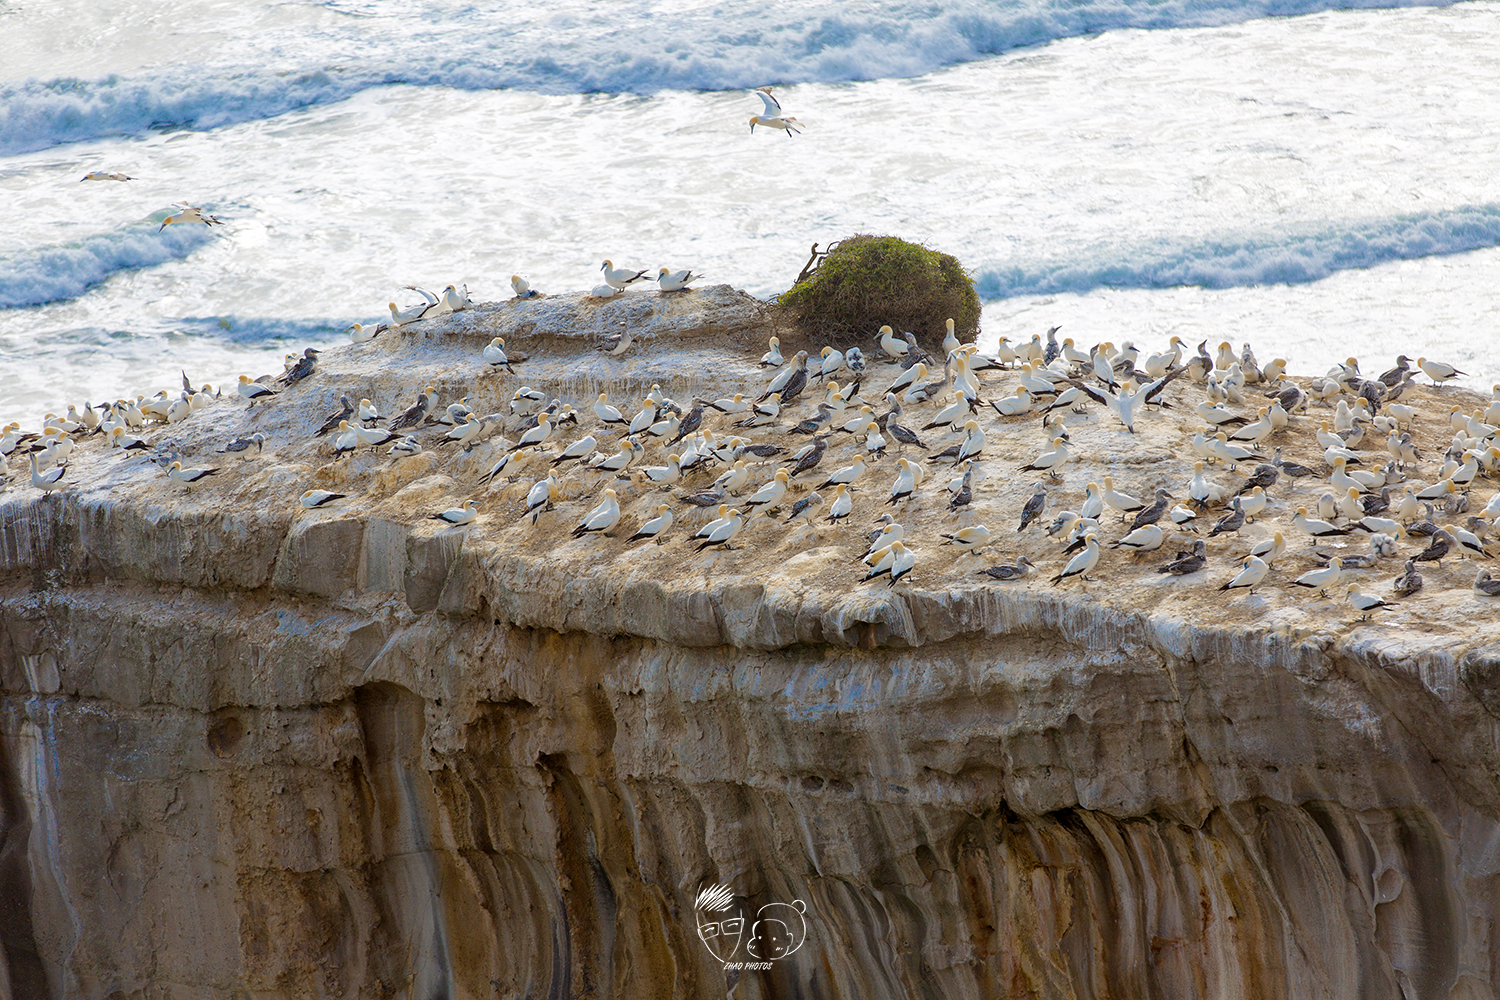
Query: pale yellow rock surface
pixel 249 750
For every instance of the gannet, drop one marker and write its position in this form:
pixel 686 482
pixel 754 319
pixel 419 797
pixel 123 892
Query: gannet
pixel 854 360
pixel 735 479
pixel 1410 581
pixel 1014 405
pixel 1485 586
pixel 359 333
pixel 666 427
pixel 1438 547
pixel 405 448
pixel 254 390
pixel 1364 602
pixel 1081 563
pixel 1252 572
pixel 1004 573
pixel 457 515
pixel 962 487
pixel 903 561
pixel 455 300
pixel 1034 505
pixel 414 414
pixel 540 498
pixel 188 214
pixel 842 504
pixel 1269 549
pixel 763 413
pixel 1122 503
pixel 849 474
pixel 905 482
pixel 313 499
pixel 833 360
pixel 256 441
pixel 665 476
pixel 347 440
pixel 521 287
pixel 1187 562
pixel 891 346
pixel 771 493
pixel 1230 522
pixel 1438 490
pixel 970 539
pixel 494 356
pixel 1202 490
pixel 188 477
pixel 675 281
pixel 806 508
pixel 607 413
pixel 538 434
pixel 620 277
pixel 578 450
pixel 656 526
pixel 773 358
pixel 1050 461
pixel 1315 527
pixel 874 441
pixel 1323 578
pixel 1438 371
pixel 731 404
pixel 49 480
pixel 771 118
pixel 401 317
pixel 374 437
pixel 727 527
pixel 1144 539
pixel 100 175
pixel 714 525
pixel 782 383
pixel 630 450
pixel 119 439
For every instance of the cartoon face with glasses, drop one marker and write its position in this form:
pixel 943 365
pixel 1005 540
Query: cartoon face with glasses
pixel 721 921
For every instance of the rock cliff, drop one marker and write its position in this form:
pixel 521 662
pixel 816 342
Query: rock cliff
pixel 249 750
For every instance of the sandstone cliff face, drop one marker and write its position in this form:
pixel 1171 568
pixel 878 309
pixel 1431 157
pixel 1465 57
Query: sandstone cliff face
pixel 248 750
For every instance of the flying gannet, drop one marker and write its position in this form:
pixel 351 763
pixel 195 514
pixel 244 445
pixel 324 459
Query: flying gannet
pixel 772 117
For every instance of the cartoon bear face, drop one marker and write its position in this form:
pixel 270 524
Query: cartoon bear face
pixel 779 930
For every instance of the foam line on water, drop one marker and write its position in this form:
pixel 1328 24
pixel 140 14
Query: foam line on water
pixel 738 44
pixel 1261 259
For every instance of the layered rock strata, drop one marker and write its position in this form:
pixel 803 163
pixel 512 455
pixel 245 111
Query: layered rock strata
pixel 250 750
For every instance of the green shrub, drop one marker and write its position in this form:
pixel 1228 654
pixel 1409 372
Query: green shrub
pixel 865 282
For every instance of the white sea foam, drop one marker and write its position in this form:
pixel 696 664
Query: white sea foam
pixel 567 48
pixel 1290 258
pixel 39 275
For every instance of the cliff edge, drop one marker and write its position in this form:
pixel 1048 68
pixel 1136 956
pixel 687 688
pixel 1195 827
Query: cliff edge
pixel 249 749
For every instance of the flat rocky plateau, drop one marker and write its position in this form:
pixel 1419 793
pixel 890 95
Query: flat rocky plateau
pixel 250 750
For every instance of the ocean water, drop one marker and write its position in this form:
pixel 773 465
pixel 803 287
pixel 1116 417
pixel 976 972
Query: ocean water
pixel 1315 181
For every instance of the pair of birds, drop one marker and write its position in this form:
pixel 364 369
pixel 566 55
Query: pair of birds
pixel 617 279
